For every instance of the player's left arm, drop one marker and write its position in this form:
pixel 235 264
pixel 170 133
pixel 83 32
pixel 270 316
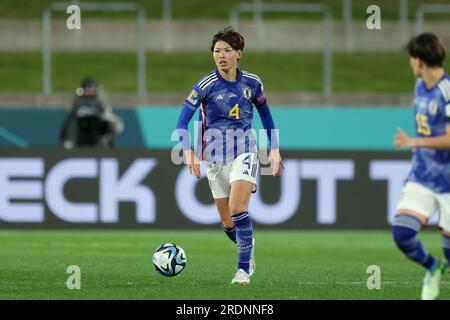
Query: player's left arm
pixel 267 121
pixel 403 140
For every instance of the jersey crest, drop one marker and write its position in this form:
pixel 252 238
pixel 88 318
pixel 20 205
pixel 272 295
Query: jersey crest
pixel 247 92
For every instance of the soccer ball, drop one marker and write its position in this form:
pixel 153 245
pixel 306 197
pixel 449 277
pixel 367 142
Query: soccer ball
pixel 169 259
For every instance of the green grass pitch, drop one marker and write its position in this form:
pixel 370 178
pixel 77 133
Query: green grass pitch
pixel 290 265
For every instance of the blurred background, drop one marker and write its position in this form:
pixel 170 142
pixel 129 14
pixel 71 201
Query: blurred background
pixel 338 91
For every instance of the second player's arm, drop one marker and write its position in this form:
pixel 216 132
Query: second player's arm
pixel 403 140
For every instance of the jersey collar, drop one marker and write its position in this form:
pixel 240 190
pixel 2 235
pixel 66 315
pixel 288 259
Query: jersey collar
pixel 435 85
pixel 231 83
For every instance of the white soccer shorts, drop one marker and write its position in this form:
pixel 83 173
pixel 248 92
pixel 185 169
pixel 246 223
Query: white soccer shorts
pixel 220 176
pixel 424 201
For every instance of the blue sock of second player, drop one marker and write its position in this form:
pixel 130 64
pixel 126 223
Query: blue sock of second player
pixel 405 230
pixel 244 237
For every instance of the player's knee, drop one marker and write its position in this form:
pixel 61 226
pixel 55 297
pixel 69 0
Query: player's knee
pixel 404 229
pixel 236 208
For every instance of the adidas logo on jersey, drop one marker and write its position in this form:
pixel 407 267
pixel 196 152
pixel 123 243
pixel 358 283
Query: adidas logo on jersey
pixel 219 97
pixel 245 172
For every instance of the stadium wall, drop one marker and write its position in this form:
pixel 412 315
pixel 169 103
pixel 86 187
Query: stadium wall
pixel 306 128
pixel 143 188
pixel 342 172
pixel 181 35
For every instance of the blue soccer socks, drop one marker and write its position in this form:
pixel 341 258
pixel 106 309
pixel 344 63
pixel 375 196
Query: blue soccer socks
pixel 244 237
pixel 404 231
pixel 230 232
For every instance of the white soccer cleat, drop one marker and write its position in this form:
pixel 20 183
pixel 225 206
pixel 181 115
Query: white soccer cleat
pixel 432 281
pixel 252 266
pixel 241 277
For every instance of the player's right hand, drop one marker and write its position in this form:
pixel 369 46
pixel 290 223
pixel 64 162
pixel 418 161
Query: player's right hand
pixel 193 163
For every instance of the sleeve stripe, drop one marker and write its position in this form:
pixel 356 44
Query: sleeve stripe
pixel 205 79
pixel 251 75
pixel 203 86
pixel 254 77
pixel 445 88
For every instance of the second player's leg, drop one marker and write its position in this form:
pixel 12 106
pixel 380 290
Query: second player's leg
pixel 444 223
pixel 416 206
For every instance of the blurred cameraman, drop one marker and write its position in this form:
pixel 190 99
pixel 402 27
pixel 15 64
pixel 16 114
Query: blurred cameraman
pixel 90 123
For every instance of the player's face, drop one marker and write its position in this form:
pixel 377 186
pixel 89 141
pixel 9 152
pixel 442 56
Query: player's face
pixel 415 66
pixel 225 57
pixel 89 91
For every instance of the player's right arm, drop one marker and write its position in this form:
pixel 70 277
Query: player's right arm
pixel 190 105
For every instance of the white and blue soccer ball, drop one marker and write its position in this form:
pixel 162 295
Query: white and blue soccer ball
pixel 169 259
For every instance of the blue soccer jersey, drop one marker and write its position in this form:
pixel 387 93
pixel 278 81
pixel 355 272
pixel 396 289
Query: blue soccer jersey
pixel 226 113
pixel 431 167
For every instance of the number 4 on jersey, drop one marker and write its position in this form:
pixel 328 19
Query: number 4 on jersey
pixel 234 112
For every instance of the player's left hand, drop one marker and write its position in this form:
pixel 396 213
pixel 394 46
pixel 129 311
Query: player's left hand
pixel 403 140
pixel 275 162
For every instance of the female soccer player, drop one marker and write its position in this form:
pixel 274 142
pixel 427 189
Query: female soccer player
pixel 428 185
pixel 226 97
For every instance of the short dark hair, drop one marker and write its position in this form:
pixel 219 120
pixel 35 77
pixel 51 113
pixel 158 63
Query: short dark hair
pixel 230 36
pixel 428 48
pixel 88 82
